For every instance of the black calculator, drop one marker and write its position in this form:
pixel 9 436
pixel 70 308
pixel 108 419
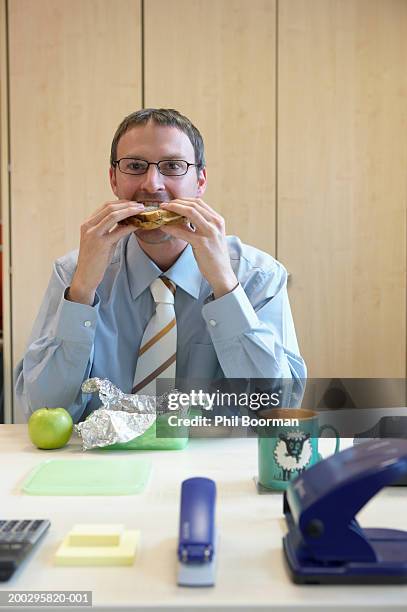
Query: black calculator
pixel 17 539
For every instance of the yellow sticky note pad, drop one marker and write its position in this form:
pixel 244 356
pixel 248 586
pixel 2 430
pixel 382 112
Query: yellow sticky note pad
pixel 123 553
pixel 95 535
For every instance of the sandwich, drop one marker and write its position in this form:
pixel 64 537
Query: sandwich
pixel 153 217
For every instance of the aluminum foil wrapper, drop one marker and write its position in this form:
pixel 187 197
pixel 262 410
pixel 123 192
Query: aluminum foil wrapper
pixel 121 417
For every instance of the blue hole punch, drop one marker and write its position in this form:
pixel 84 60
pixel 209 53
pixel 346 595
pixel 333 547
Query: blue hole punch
pixel 325 544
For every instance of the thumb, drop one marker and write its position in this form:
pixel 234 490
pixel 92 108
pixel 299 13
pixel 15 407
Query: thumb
pixel 184 232
pixel 120 232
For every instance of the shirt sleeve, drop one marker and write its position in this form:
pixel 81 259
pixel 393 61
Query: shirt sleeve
pixel 253 332
pixel 59 354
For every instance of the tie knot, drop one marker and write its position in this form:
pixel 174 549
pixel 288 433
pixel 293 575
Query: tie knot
pixel 162 290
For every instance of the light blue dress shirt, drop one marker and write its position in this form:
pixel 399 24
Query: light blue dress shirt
pixel 247 333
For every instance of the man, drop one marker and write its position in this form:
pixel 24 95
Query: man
pixel 230 312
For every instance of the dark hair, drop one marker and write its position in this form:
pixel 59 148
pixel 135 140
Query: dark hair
pixel 161 116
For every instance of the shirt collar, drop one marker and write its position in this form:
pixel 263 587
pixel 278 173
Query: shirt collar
pixel 141 270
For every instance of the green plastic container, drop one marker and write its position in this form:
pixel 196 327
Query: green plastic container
pixel 160 436
pixel 105 476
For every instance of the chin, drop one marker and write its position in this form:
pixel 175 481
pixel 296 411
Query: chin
pixel 155 236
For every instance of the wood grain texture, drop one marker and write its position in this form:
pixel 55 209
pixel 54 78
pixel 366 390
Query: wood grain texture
pixel 75 71
pixel 214 61
pixel 342 189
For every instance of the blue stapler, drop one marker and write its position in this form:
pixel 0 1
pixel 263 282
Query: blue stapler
pixel 325 544
pixel 197 545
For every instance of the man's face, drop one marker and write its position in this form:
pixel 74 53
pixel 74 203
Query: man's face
pixel 153 143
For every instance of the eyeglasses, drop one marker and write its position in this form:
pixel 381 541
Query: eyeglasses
pixel 168 167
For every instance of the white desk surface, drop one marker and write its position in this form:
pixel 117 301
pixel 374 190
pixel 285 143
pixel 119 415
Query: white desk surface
pixel 251 572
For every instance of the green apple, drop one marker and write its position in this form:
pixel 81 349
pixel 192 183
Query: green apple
pixel 50 427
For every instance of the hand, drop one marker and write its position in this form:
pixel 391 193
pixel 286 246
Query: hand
pixel 99 237
pixel 208 241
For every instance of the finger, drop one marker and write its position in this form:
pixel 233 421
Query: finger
pixel 206 211
pixel 114 216
pixel 99 210
pixel 106 209
pixel 203 205
pixel 192 213
pixel 120 231
pixel 183 232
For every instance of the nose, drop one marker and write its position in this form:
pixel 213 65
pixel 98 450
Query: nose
pixel 152 180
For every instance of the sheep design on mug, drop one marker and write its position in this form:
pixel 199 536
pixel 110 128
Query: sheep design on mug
pixel 293 452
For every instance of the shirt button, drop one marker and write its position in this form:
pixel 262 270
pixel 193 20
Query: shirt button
pixel 212 322
pixel 87 324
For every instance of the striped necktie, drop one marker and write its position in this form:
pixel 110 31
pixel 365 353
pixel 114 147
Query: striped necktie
pixel 157 354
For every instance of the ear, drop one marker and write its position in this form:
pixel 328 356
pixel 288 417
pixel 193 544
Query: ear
pixel 201 184
pixel 113 182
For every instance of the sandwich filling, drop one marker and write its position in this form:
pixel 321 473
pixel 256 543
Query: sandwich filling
pixel 153 217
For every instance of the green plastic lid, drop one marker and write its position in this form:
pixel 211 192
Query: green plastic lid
pixel 113 476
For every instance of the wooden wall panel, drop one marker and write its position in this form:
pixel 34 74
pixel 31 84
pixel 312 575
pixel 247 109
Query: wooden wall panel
pixel 75 71
pixel 339 129
pixel 214 61
pixel 5 220
pixel 342 189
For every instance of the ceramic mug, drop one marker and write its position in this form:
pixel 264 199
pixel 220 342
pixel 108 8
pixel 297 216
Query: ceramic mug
pixel 285 451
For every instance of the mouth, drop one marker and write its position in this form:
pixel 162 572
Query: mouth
pixel 151 204
pixel 150 201
pixel 152 217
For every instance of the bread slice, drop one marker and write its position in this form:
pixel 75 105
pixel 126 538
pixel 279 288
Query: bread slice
pixel 153 217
